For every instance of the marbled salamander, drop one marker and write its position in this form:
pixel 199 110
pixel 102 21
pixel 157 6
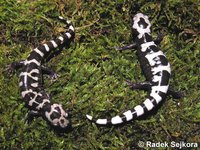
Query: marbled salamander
pixel 31 89
pixel 155 67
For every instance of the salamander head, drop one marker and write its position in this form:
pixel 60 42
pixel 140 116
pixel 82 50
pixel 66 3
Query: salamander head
pixel 57 117
pixel 141 25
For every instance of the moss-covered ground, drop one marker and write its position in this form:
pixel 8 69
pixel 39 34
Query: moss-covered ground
pixel 92 72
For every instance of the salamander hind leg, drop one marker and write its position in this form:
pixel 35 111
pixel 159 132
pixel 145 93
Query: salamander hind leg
pixel 14 66
pixel 140 86
pixel 175 94
pixel 52 74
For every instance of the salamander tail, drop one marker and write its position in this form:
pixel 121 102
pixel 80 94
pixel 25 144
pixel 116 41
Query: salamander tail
pixel 129 115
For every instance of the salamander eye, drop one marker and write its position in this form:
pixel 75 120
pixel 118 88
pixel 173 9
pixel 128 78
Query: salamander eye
pixel 62 121
pixel 56 125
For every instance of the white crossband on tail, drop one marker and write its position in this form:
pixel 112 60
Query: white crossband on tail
pixel 32 91
pixel 155 67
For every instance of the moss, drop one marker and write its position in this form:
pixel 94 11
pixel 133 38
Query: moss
pixel 92 73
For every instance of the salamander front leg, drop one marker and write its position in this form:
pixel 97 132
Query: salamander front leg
pixel 159 39
pixel 133 46
pixel 127 47
pixel 31 115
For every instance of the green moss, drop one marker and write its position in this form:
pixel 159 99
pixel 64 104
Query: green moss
pixel 92 73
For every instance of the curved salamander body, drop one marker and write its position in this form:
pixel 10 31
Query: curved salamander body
pixel 155 67
pixel 32 92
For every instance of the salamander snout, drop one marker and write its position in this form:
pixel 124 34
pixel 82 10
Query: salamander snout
pixel 58 117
